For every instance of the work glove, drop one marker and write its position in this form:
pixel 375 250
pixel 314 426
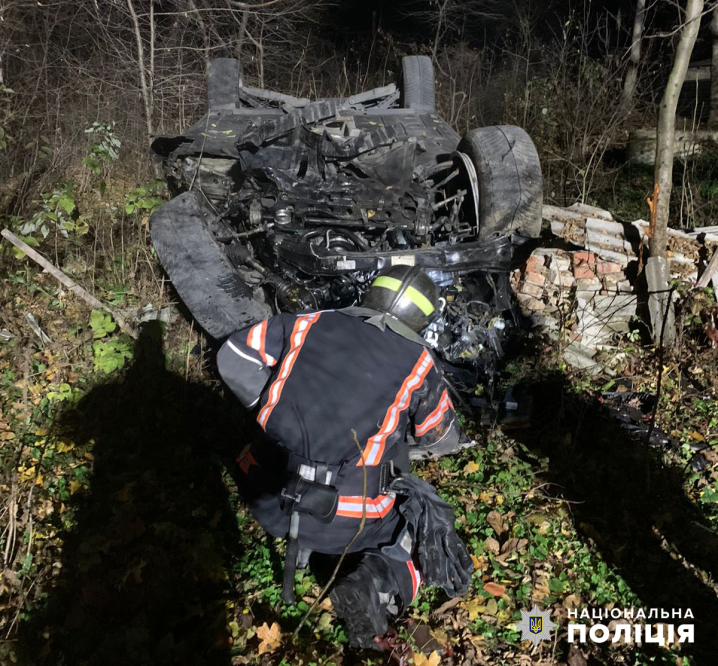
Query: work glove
pixel 444 560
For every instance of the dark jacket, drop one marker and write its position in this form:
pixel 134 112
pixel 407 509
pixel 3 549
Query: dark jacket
pixel 343 389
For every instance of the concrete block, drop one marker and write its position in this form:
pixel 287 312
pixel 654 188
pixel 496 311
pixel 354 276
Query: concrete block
pixel 580 356
pixel 659 305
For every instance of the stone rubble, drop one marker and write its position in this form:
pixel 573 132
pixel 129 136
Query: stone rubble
pixel 586 295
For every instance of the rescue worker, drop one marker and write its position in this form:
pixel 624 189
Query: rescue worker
pixel 345 398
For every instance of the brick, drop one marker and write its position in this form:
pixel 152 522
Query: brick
pixel 566 280
pixel 613 278
pixel 606 267
pixel 535 264
pixel 529 303
pixel 594 284
pixel 531 289
pixel 584 257
pixel 536 278
pixel 561 263
pixel 583 272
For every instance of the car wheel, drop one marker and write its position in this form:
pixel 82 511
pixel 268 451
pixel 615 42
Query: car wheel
pixel 509 180
pixel 224 80
pixel 199 269
pixel 417 87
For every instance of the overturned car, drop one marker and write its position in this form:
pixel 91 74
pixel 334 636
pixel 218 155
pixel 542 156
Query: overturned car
pixel 287 204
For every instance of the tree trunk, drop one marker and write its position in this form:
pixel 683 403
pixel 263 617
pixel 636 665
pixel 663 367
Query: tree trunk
pixel 713 117
pixel 629 85
pixel 667 123
pixel 147 96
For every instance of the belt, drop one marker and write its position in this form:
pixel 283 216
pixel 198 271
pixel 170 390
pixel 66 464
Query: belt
pixel 312 489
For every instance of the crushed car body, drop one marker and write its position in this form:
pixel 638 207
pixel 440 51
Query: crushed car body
pixel 287 204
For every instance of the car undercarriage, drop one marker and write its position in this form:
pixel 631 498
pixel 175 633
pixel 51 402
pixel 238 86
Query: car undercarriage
pixel 284 204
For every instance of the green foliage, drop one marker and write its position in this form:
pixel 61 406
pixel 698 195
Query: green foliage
pixel 101 324
pixel 57 209
pixel 108 355
pixel 64 393
pixel 5 139
pixel 104 148
pixel 42 146
pixel 28 240
pixel 146 198
pixel 111 355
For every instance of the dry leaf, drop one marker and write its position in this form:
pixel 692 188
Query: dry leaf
pixel 572 601
pixel 512 545
pixel 447 605
pixel 697 436
pixel 476 561
pixel 63 446
pixel 492 545
pixel 496 521
pixel 474 608
pixel 471 467
pixel 271 637
pixel 432 660
pixel 495 589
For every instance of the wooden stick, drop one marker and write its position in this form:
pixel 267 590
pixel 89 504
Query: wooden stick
pixel 68 282
pixel 708 272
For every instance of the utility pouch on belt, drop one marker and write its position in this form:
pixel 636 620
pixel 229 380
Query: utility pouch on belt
pixel 306 496
pixel 310 497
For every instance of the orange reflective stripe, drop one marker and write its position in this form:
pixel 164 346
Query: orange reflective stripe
pixel 374 448
pixel 256 339
pixel 435 418
pixel 350 506
pixel 415 579
pixel 299 335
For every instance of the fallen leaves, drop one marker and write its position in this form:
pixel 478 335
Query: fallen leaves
pixel 496 520
pixel 432 660
pixel 270 637
pixel 474 608
pixel 471 467
pixel 495 589
pixel 492 545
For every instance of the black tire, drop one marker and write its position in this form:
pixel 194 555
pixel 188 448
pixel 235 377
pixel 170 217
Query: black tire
pixel 224 80
pixel 417 84
pixel 200 270
pixel 510 181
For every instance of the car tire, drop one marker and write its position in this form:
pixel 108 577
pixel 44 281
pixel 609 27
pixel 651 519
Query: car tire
pixel 417 87
pixel 200 270
pixel 224 80
pixel 509 180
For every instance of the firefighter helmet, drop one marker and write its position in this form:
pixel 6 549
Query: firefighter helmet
pixel 405 292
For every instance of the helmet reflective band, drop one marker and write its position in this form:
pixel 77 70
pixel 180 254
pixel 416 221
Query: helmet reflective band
pixel 405 292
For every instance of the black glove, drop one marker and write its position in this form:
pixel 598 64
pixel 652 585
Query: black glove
pixel 443 558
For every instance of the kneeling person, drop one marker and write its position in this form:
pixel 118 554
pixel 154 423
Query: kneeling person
pixel 344 397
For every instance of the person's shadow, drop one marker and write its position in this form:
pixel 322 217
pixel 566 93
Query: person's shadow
pixel 143 575
pixel 626 499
